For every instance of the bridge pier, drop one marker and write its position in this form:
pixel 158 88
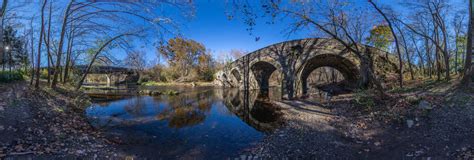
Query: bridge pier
pixel 108 80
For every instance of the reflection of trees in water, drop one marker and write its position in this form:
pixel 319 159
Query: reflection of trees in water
pixel 187 109
pixel 185 116
pixel 103 103
pixel 135 106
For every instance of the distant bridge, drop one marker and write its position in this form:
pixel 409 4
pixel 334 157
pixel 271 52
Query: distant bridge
pixel 114 75
pixel 296 59
pixel 104 69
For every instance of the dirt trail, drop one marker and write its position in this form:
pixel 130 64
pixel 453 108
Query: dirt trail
pixel 42 125
pixel 342 131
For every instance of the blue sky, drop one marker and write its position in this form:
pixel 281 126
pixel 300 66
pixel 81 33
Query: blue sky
pixel 211 27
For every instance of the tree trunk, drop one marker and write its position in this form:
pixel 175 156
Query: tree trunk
pixel 50 60
pixel 400 61
pixel 407 53
pixel 456 54
pixel 438 63
pixel 445 47
pixel 370 74
pixel 32 54
pixel 68 55
pixel 468 70
pixel 2 16
pixel 463 57
pixel 60 45
pixel 422 61
pixel 79 84
pixel 39 45
pixel 428 56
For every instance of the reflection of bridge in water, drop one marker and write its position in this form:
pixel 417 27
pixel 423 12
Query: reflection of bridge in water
pixel 189 108
pixel 256 110
pixel 113 75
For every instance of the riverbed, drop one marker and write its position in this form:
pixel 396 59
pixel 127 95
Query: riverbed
pixel 198 123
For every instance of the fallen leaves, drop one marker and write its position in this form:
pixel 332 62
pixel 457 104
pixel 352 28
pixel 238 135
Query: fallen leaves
pixel 49 128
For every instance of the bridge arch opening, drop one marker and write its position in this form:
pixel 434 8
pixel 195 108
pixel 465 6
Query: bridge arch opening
pixel 236 75
pixel 344 74
pixel 262 72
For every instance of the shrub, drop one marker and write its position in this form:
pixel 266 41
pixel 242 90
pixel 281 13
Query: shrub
pixel 6 76
pixel 414 100
pixel 364 99
pixel 44 73
pixel 144 78
pixel 150 83
pixel 170 92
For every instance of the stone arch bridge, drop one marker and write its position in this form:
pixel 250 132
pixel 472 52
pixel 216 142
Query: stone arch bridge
pixel 296 59
pixel 113 75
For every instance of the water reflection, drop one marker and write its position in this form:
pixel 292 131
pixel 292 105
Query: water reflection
pixel 258 112
pixel 213 123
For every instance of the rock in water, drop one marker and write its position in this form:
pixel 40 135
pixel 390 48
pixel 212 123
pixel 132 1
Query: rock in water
pixel 155 93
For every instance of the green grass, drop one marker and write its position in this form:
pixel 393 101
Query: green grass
pixel 170 92
pixel 7 76
pixel 364 99
pixel 98 87
pixel 424 85
pixel 154 83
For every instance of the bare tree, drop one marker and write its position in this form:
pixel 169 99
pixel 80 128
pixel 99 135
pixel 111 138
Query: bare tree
pixel 69 52
pixel 60 45
pixel 437 6
pixel 47 43
pixel 2 17
pixel 458 24
pixel 136 60
pixel 397 45
pixel 32 51
pixel 406 50
pixel 419 54
pixel 428 23
pixel 38 68
pixel 106 43
pixel 468 69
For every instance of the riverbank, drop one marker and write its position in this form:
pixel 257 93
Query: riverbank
pixel 190 84
pixel 434 121
pixel 48 124
pixel 430 121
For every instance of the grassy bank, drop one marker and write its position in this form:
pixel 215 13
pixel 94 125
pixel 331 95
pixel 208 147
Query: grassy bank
pixel 154 83
pixel 7 76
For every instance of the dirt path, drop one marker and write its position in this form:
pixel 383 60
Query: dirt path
pixel 342 131
pixel 308 133
pixel 42 125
